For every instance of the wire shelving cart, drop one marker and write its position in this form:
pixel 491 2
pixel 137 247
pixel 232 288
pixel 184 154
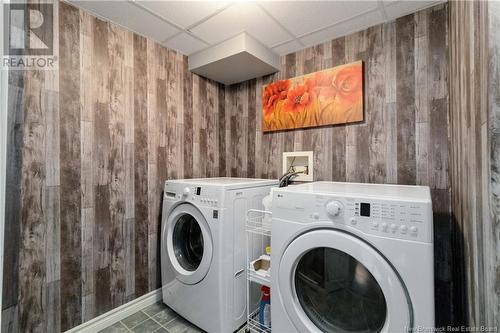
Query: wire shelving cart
pixel 258 232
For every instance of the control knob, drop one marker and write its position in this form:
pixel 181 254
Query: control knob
pixel 186 191
pixel 334 208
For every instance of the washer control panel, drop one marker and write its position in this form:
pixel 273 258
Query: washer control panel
pixel 203 196
pixel 385 218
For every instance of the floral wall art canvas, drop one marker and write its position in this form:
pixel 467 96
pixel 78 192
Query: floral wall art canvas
pixel 331 96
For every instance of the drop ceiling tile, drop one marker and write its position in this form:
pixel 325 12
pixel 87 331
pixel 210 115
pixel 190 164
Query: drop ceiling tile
pixel 302 17
pixel 242 16
pixel 185 44
pixel 395 9
pixel 344 28
pixel 184 13
pixel 130 16
pixel 286 48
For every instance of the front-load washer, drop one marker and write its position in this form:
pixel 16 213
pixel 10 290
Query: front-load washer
pixel 351 258
pixel 203 248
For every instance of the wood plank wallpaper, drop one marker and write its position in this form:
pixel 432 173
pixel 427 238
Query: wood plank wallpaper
pixel 90 147
pixel 490 296
pixel 474 79
pixel 91 144
pixel 404 138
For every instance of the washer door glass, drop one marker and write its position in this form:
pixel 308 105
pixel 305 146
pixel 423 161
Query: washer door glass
pixel 338 293
pixel 188 242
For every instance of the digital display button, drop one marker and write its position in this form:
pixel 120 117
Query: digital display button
pixel 365 209
pixel 198 190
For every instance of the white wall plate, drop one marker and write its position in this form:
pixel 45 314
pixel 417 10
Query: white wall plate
pixel 299 161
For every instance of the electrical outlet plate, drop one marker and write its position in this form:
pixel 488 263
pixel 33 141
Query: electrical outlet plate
pixel 299 160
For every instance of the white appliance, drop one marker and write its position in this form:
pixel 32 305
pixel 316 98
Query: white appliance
pixel 351 258
pixel 203 248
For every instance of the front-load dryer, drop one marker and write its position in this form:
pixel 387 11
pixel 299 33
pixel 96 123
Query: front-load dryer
pixel 202 248
pixel 351 258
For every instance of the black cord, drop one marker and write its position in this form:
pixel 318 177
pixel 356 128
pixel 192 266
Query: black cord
pixel 287 177
pixel 282 179
pixel 293 175
pixel 288 172
pixel 283 176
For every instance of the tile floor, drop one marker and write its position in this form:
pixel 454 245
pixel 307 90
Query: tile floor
pixel 156 318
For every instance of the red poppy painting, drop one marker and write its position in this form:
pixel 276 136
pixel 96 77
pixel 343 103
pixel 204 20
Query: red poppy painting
pixel 332 96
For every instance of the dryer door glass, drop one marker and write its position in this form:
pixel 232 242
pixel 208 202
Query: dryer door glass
pixel 338 293
pixel 188 242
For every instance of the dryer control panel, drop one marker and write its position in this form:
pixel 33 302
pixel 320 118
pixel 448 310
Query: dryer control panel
pixel 397 219
pixel 386 218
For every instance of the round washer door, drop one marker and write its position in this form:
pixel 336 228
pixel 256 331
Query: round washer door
pixel 189 243
pixel 331 281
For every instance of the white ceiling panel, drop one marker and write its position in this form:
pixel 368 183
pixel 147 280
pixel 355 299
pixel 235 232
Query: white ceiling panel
pixel 302 17
pixel 288 47
pixel 344 28
pixel 132 17
pixel 241 17
pixel 395 9
pixel 185 43
pixel 283 26
pixel 184 13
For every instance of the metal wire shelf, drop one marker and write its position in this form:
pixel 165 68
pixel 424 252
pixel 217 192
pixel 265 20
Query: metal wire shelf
pixel 253 324
pixel 258 222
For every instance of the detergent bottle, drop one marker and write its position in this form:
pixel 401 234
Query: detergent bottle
pixel 265 308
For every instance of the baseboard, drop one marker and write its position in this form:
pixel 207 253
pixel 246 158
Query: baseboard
pixel 119 313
